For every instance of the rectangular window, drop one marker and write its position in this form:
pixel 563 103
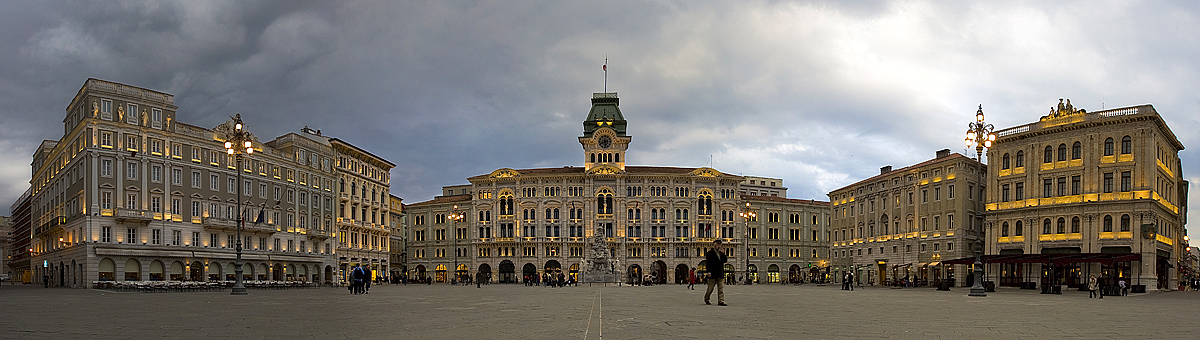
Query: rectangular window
pixel 1062 186
pixel 132 142
pixel 156 236
pixel 131 235
pixel 106 140
pixel 1004 193
pixel 156 173
pixel 214 182
pixel 1108 182
pixel 950 192
pixel 1126 180
pixel 131 201
pixel 195 238
pixel 177 176
pixel 156 117
pixel 1047 187
pixel 106 166
pixel 1075 185
pixel 131 114
pixel 106 200
pixel 105 234
pixel 131 170
pixel 106 109
pixel 1020 191
pixel 156 147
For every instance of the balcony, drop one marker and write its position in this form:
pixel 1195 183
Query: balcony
pixel 1011 239
pixel 1060 237
pixel 218 223
pixel 130 215
pixel 1116 235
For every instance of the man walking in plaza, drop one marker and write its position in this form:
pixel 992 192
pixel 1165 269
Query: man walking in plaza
pixel 692 279
pixel 715 261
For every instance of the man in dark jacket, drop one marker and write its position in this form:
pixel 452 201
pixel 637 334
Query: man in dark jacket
pixel 715 262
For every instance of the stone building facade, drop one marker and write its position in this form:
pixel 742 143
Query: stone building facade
pixel 130 193
pixel 363 228
pixel 656 221
pixel 897 227
pixel 1087 187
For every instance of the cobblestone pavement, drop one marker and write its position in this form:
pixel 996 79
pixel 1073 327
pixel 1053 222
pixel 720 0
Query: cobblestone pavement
pixel 658 312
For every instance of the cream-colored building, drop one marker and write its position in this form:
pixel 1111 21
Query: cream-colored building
pixel 130 193
pixel 363 228
pixel 897 227
pixel 657 221
pixel 763 186
pixel 396 236
pixel 1094 193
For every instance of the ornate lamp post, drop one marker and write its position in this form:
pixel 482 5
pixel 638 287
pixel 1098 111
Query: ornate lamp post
pixel 239 146
pixel 747 215
pixel 979 134
pixel 456 216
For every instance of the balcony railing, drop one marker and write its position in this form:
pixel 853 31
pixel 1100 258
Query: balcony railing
pixel 133 215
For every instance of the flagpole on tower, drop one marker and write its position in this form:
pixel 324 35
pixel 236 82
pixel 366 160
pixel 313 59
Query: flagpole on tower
pixel 605 67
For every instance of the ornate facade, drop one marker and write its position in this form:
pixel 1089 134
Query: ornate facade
pixel 656 221
pixel 1103 192
pixel 896 228
pixel 129 193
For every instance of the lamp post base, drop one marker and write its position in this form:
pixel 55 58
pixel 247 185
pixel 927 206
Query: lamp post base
pixel 977 291
pixel 239 288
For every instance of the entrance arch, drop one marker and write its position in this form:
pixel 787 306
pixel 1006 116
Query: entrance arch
pixel 552 266
pixel 196 271
pixel 157 272
pixel 439 273
pixel 107 270
pixel 421 276
pixel 528 273
pixel 752 270
pixel 574 272
pixel 177 271
pixel 773 274
pixel 795 274
pixel 277 272
pixel 635 274
pixel 329 274
pixel 214 271
pixel 702 267
pixel 133 270
pixel 681 274
pixel 508 272
pixel 729 272
pixel 659 270
pixel 262 272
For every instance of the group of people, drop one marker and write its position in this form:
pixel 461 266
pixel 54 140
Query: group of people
pixel 556 279
pixel 848 281
pixel 360 280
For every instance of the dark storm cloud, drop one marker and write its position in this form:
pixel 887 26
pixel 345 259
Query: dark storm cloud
pixel 819 93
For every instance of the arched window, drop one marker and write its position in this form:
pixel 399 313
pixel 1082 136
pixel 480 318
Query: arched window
pixel 1048 155
pixel 1018 230
pixel 1126 145
pixel 1108 146
pixel 593 158
pixel 1062 152
pixel 1075 225
pixel 1125 222
pixel 1004 229
pixel 705 205
pixel 1076 151
pixel 1046 226
pixel 1062 225
pixel 1004 162
pixel 1020 159
pixel 1108 223
pixel 617 157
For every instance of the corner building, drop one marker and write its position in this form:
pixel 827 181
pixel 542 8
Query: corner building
pixel 131 194
pixel 1087 193
pixel 657 221
pixel 896 228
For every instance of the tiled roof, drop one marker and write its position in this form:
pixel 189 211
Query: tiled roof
pixel 782 199
pixel 442 200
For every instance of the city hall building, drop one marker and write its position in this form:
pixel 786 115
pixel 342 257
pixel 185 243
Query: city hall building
pixel 513 224
pixel 129 193
pixel 896 228
pixel 1082 193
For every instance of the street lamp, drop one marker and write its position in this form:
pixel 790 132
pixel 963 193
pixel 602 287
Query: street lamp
pixel 747 215
pixel 456 216
pixel 979 134
pixel 243 148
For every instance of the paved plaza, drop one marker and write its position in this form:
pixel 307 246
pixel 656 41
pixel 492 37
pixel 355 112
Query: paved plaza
pixel 658 312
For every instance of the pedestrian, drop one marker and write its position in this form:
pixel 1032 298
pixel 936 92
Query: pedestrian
pixel 715 259
pixel 851 276
pixel 1124 287
pixel 692 279
pixel 1093 287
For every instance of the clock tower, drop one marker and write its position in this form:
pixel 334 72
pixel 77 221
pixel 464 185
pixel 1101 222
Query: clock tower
pixel 604 141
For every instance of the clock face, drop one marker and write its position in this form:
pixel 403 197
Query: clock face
pixel 605 142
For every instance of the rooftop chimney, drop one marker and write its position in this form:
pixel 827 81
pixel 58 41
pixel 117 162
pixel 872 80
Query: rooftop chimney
pixel 885 169
pixel 943 153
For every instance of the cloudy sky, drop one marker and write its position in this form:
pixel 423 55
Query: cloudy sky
pixel 818 93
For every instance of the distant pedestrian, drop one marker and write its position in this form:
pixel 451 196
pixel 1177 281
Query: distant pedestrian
pixel 1093 287
pixel 692 279
pixel 715 260
pixel 850 275
pixel 1124 287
